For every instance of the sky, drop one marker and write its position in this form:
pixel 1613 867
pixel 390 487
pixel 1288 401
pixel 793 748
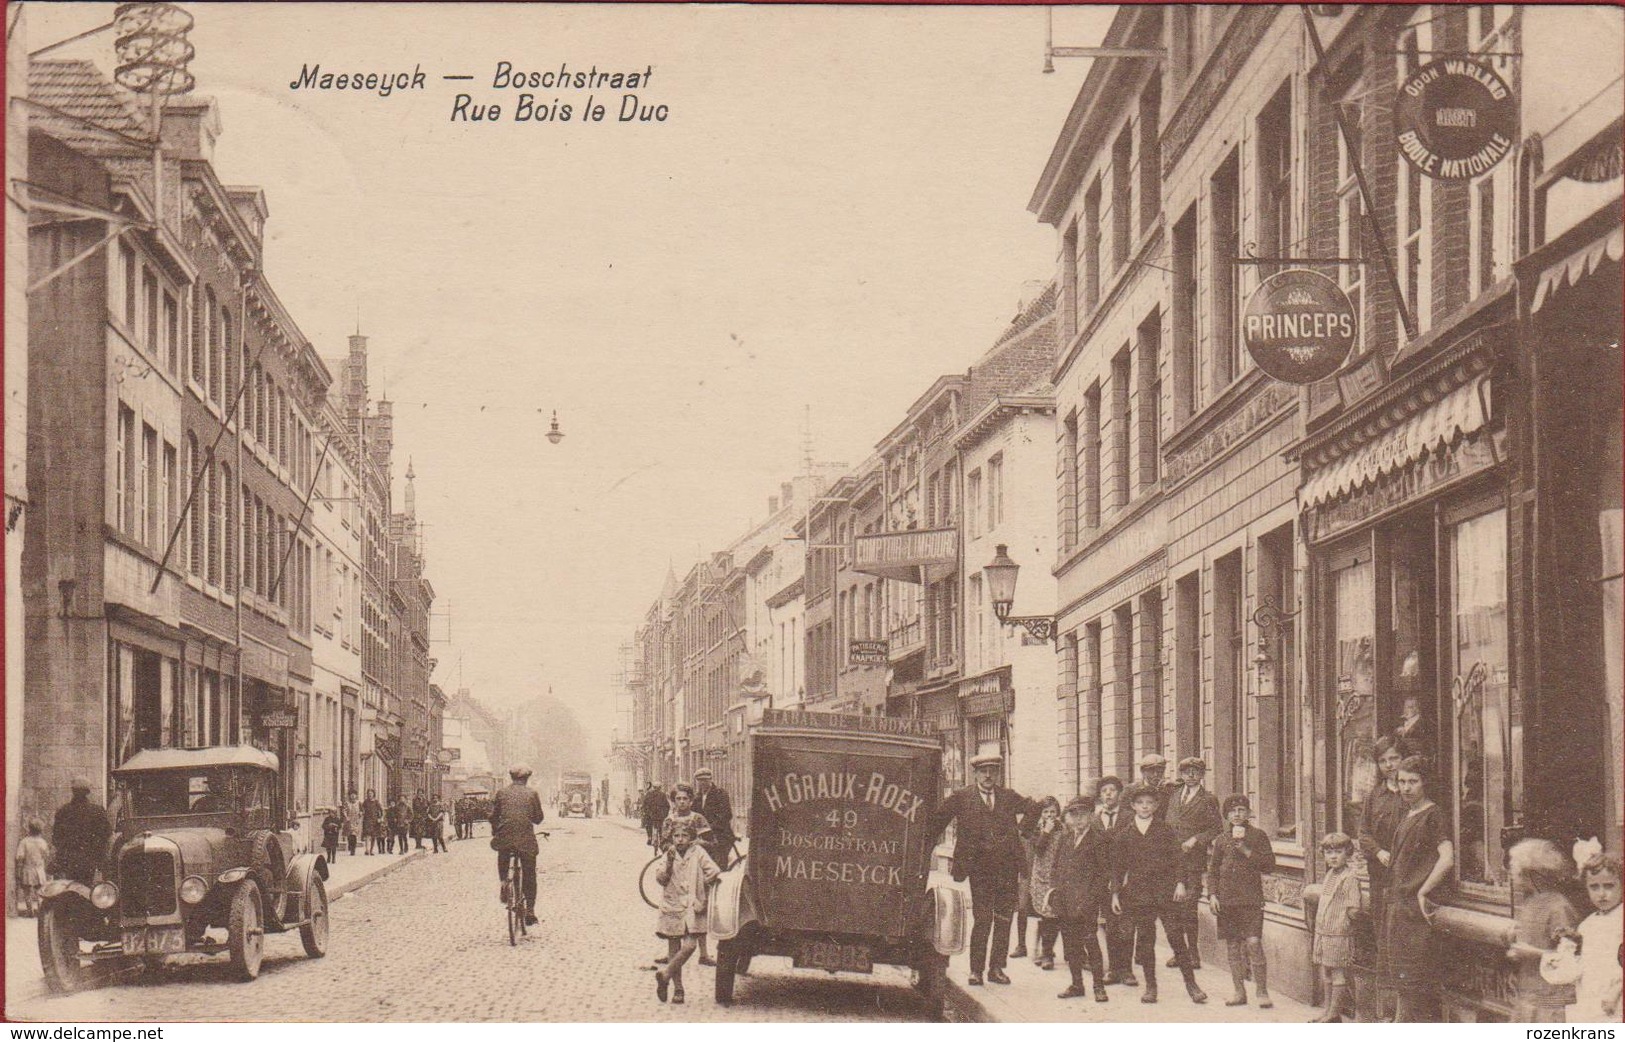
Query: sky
pixel 831 215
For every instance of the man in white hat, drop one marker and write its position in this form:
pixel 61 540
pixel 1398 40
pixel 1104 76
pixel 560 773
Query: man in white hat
pixel 987 851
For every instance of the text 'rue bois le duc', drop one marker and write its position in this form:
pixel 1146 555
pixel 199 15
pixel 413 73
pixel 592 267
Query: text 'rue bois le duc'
pixel 572 95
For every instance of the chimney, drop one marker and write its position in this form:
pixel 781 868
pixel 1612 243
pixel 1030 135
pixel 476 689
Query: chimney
pixel 772 505
pixel 190 129
pixel 249 202
pixel 786 492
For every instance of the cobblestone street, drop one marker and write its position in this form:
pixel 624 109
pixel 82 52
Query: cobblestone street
pixel 427 943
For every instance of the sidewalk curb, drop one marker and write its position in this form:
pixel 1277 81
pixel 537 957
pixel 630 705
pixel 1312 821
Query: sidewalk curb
pixel 372 877
pixel 961 1007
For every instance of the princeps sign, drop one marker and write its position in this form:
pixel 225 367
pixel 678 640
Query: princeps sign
pixel 1456 118
pixel 1298 326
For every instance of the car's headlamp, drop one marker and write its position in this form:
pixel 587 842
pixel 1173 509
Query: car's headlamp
pixel 193 889
pixel 104 895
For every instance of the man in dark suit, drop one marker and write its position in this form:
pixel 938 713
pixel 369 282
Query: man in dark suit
pixel 1193 814
pixel 1111 815
pixel 987 851
pixel 79 835
pixel 515 813
pixel 715 806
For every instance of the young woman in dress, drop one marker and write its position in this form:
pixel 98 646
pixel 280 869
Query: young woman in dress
pixel 1423 857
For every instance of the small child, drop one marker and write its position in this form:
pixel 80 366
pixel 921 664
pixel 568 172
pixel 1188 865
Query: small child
pixel 1340 902
pixel 687 873
pixel 1240 857
pixel 1597 990
pixel 33 857
pixel 331 826
pixel 1543 916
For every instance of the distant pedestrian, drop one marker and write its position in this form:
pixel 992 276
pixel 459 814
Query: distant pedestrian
pixel 33 861
pixel 352 820
pixel 1146 887
pixel 1241 857
pixel 1340 904
pixel 332 826
pixel 987 851
pixel 1544 915
pixel 437 825
pixel 1424 854
pixel 654 808
pixel 372 822
pixel 684 878
pixel 400 819
pixel 420 820
pixel 79 835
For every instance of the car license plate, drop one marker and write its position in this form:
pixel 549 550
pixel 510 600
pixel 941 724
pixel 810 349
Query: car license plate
pixel 829 955
pixel 162 941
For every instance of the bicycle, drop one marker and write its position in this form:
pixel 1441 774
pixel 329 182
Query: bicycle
pixel 646 877
pixel 513 894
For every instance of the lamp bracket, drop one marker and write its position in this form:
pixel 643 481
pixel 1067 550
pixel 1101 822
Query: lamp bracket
pixel 1268 616
pixel 1042 627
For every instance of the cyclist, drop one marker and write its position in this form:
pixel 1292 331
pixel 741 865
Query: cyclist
pixel 515 813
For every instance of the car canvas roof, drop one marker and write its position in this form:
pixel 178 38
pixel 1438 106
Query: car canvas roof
pixel 214 756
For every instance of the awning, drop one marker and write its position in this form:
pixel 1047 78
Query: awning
pixel 1577 265
pixel 1458 414
pixel 914 556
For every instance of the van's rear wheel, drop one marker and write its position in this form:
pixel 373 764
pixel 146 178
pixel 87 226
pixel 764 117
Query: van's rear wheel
pixel 931 981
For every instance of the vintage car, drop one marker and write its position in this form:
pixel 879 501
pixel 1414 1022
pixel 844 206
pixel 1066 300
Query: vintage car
pixel 200 862
pixel 575 794
pixel 838 875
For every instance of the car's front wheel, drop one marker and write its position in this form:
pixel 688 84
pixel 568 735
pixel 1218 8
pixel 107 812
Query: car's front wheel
pixel 245 931
pixel 313 935
pixel 59 935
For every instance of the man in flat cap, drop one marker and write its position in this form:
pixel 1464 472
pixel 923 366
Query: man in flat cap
pixel 987 851
pixel 1153 769
pixel 515 813
pixel 79 834
pixel 1193 814
pixel 714 804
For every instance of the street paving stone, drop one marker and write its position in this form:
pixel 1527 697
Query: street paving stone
pixel 428 942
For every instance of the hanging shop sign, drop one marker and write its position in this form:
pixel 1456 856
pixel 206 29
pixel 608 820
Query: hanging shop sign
pixel 279 719
pixel 1456 118
pixel 1298 326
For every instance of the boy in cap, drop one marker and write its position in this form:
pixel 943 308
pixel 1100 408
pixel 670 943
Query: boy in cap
pixel 1081 876
pixel 1111 815
pixel 1193 813
pixel 1153 768
pixel 684 878
pixel 987 851
pixel 1146 885
pixel 1235 885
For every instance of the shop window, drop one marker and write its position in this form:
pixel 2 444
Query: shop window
pixel 1409 707
pixel 1229 656
pixel 1353 672
pixel 1188 662
pixel 1488 721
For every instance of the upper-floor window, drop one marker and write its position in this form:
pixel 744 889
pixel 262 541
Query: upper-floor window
pixel 995 490
pixel 1148 376
pixel 1069 482
pixel 1150 154
pixel 129 275
pixel 1225 202
pixel 170 334
pixel 1122 195
pixel 217 346
pixel 1089 495
pixel 1122 424
pixel 150 320
pixel 973 503
pixel 1091 247
pixel 1069 282
pixel 1275 202
pixel 1413 212
pixel 1492 28
pixel 1187 386
pixel 1351 207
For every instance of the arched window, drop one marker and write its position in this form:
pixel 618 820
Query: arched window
pixel 194 522
pixel 249 547
pixel 197 358
pixel 233 371
pixel 211 488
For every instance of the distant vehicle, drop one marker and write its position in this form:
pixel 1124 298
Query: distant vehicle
pixel 202 863
pixel 575 794
pixel 838 871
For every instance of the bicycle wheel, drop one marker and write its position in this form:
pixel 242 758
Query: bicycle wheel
pixel 648 889
pixel 515 924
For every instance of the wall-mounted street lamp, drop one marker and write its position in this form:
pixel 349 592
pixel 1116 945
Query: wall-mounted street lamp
pixel 1268 618
pixel 1001 586
pixel 553 434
